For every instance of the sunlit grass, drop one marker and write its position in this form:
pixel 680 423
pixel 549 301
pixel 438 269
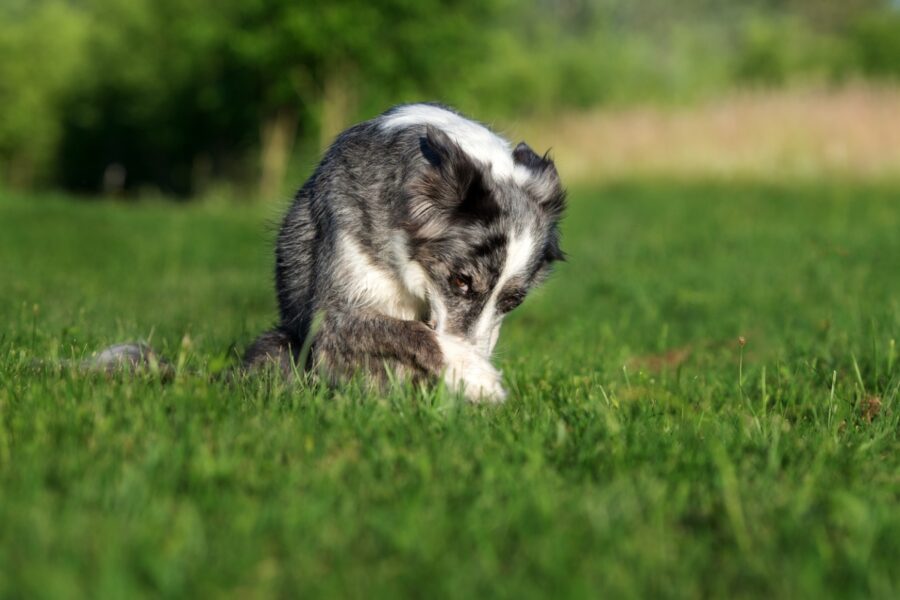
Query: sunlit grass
pixel 643 451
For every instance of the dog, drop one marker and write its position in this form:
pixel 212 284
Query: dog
pixel 416 234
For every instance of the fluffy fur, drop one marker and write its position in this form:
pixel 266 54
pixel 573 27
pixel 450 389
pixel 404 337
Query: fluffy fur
pixel 416 234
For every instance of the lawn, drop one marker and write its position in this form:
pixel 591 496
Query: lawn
pixel 643 450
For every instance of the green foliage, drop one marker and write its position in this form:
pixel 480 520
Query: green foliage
pixel 775 51
pixel 178 95
pixel 642 453
pixel 877 40
pixel 159 99
pixel 41 56
pixel 199 79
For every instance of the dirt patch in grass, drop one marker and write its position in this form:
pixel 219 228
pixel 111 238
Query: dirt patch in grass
pixel 870 408
pixel 670 359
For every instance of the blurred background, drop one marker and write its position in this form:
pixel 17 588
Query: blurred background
pixel 238 97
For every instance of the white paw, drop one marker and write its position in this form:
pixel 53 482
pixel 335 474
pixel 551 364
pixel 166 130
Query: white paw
pixel 466 369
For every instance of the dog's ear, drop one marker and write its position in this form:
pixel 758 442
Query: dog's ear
pixel 544 184
pixel 552 252
pixel 525 156
pixel 438 149
pixel 453 183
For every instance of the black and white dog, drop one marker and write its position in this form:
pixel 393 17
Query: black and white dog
pixel 416 234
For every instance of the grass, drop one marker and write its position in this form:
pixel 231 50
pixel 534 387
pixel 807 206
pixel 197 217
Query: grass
pixel 643 450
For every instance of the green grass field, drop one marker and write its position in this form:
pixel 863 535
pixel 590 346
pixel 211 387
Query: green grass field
pixel 642 451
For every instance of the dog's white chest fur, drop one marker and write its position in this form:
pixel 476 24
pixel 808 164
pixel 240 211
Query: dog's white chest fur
pixel 367 285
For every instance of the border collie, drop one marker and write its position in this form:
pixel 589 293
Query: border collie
pixel 416 234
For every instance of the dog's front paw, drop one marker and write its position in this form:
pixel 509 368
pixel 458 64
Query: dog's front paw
pixel 466 369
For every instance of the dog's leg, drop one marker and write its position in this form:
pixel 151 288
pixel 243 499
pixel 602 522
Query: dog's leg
pixel 276 347
pixel 465 367
pixel 348 342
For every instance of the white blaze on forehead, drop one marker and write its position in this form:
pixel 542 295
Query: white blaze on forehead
pixel 519 253
pixel 473 138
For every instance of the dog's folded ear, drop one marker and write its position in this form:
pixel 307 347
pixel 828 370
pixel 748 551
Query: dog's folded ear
pixel 545 185
pixel 439 150
pixel 525 156
pixel 452 185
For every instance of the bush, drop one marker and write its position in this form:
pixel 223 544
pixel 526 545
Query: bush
pixel 41 56
pixel 876 39
pixel 174 95
pixel 773 52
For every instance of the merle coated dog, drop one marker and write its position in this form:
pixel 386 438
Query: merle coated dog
pixel 419 230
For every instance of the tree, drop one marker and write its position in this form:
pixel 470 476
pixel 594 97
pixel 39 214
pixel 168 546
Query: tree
pixel 317 64
pixel 37 36
pixel 183 89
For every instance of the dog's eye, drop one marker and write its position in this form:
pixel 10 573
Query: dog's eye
pixel 510 301
pixel 461 283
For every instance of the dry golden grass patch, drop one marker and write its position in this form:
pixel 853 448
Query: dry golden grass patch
pixel 849 132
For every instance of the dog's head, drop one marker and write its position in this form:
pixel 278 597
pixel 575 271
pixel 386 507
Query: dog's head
pixel 484 242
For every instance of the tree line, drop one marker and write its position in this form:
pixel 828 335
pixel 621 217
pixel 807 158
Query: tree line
pixel 174 96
